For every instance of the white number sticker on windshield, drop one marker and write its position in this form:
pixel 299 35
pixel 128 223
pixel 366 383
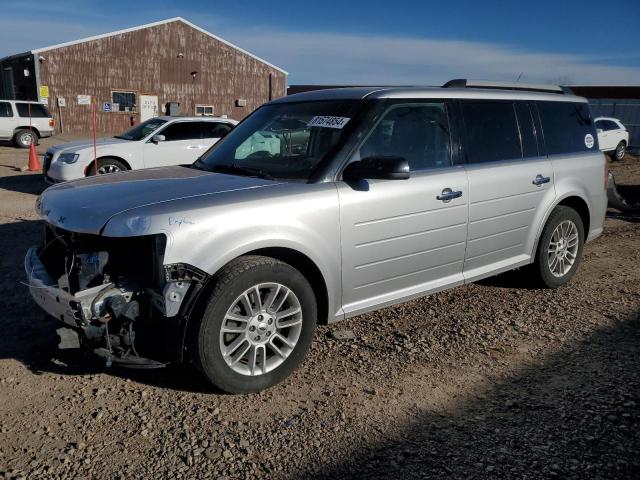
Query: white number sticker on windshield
pixel 328 122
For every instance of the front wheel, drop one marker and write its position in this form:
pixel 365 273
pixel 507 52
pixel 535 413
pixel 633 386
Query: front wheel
pixel 560 248
pixel 257 326
pixel 106 165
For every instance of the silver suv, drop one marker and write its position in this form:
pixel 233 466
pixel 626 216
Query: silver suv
pixel 318 207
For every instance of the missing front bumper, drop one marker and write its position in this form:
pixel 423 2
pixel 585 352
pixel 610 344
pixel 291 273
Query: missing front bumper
pixel 112 330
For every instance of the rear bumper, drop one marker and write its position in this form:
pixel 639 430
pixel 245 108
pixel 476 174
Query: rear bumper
pixel 598 212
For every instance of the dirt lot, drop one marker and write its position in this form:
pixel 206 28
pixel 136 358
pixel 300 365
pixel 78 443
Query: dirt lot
pixel 490 380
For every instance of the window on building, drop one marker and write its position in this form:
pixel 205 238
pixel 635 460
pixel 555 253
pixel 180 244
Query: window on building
pixel 215 129
pixel 566 126
pixel 34 110
pixel 123 101
pixel 5 109
pixel 181 131
pixel 491 132
pixel 417 132
pixel 204 110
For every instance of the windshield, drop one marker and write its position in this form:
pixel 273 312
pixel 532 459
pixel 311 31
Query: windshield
pixel 140 131
pixel 284 141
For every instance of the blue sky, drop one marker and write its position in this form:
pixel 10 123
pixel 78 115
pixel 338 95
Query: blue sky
pixel 376 42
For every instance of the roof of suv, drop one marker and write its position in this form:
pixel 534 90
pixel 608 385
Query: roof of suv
pixel 617 120
pixel 169 118
pixel 359 93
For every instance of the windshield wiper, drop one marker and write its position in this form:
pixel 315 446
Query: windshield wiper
pixel 121 137
pixel 253 172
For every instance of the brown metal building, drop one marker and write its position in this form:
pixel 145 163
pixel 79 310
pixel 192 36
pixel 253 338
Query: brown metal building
pixel 133 74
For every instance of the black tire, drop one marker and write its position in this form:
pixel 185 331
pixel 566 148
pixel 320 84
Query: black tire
pixel 106 163
pixel 23 138
pixel 543 276
pixel 230 283
pixel 620 151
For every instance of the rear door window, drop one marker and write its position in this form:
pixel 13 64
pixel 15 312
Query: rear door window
pixel 33 110
pixel 181 131
pixel 607 125
pixel 6 110
pixel 215 129
pixel 491 132
pixel 567 127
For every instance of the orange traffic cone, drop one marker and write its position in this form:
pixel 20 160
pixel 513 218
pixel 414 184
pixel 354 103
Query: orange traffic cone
pixel 34 163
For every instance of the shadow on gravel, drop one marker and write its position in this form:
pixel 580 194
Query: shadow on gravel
pixel 627 217
pixel 511 279
pixel 576 415
pixel 26 183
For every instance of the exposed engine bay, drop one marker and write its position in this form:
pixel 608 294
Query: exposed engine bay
pixel 114 294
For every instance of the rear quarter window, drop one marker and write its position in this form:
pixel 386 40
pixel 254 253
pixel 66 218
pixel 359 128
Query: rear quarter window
pixel 567 127
pixel 35 111
pixel 5 109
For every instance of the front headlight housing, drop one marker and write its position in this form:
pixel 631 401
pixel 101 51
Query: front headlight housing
pixel 68 157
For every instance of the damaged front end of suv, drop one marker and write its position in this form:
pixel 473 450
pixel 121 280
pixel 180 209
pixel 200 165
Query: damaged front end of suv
pixel 114 295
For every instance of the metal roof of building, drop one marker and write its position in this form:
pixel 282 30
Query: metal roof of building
pixel 155 24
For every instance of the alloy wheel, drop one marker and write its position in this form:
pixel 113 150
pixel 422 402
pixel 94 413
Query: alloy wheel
pixel 563 248
pixel 26 139
pixel 261 329
pixel 108 168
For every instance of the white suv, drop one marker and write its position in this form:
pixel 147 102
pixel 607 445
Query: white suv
pixel 24 122
pixel 158 142
pixel 613 137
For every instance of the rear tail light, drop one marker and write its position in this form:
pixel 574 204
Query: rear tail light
pixel 51 122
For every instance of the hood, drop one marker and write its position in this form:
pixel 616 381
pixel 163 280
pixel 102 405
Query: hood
pixel 86 143
pixel 86 205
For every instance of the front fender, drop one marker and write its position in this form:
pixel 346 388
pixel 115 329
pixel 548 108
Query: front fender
pixel 209 233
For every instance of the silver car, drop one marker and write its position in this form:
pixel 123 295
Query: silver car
pixel 318 207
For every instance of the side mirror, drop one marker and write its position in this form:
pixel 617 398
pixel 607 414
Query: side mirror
pixel 378 168
pixel 158 138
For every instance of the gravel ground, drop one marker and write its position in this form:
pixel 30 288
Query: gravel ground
pixel 489 380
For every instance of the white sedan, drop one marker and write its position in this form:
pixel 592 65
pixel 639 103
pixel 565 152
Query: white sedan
pixel 157 142
pixel 613 137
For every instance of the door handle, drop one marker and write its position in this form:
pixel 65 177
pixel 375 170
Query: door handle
pixel 193 147
pixel 447 195
pixel 539 180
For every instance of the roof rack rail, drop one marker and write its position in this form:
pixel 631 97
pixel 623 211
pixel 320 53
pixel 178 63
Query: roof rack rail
pixel 529 87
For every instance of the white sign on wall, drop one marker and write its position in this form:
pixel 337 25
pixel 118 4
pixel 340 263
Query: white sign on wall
pixel 84 99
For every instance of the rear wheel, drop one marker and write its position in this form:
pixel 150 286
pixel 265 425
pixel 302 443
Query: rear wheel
pixel 257 326
pixel 560 248
pixel 24 138
pixel 620 151
pixel 106 165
